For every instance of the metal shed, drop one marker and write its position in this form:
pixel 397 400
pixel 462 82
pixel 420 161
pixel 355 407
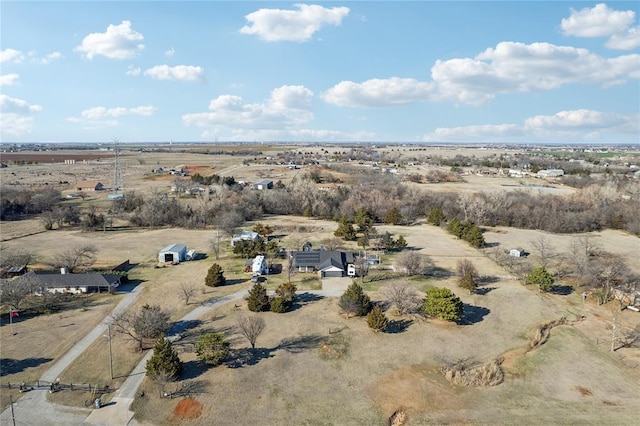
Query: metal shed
pixel 174 253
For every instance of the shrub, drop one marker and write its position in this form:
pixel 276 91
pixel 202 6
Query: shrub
pixel 212 348
pixel 443 303
pixel 164 363
pixel 215 276
pixel 279 305
pixel 540 277
pixel 258 301
pixel 376 319
pixel 468 282
pixel 287 291
pixel 354 301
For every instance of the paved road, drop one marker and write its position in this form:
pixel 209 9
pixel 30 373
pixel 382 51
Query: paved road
pixel 33 408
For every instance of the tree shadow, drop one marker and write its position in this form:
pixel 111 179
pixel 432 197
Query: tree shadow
pixel 187 388
pixel 488 279
pixel 182 326
pixel 491 244
pixel 483 291
pixel 398 326
pixel 11 366
pixel 562 290
pixel 236 281
pixel 244 357
pixel 299 344
pixel 473 314
pixel 303 299
pixel 193 369
pixel 129 286
pixel 439 273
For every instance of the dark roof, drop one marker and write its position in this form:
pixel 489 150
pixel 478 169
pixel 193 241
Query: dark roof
pixel 48 279
pixel 320 259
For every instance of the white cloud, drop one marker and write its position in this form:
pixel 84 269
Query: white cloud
pixel 9 79
pixel 16 116
pixel 292 25
pixel 118 42
pixel 564 126
pixel 510 67
pixel 298 135
pixel 179 72
pixel 133 70
pixel 46 59
pixel 626 40
pixel 379 92
pixel 11 55
pixel 602 21
pixel 100 116
pixel 170 52
pixel 599 21
pixel 288 107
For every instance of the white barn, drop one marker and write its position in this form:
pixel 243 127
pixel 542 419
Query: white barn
pixel 259 265
pixel 174 253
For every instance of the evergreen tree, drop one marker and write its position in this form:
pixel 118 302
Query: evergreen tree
pixel 401 242
pixel 215 276
pixel 345 229
pixel 474 237
pixel 393 217
pixel 443 303
pixel 212 348
pixel 164 363
pixel 540 277
pixel 355 301
pixel 455 227
pixel 376 319
pixel 436 216
pixel 287 291
pixel 258 301
pixel 279 305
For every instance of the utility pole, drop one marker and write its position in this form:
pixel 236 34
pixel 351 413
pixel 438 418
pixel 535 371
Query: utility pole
pixel 108 336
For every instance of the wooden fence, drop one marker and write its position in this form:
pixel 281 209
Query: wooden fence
pixel 55 386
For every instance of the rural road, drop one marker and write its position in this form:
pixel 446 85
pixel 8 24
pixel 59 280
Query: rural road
pixel 33 409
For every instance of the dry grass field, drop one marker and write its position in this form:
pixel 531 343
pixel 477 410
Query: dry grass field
pixel 312 365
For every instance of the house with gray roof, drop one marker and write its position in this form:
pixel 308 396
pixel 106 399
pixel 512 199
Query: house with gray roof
pixel 326 263
pixel 51 282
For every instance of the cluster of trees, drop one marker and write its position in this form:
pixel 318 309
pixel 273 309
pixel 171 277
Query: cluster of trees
pixel 259 301
pixel 437 302
pixel 467 231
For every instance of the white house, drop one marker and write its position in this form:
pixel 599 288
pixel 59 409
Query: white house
pixel 245 236
pixel 549 173
pixel 174 253
pixel 259 265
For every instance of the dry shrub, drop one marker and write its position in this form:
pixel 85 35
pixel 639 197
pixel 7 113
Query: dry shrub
pixel 399 418
pixel 188 409
pixel 543 331
pixel 488 374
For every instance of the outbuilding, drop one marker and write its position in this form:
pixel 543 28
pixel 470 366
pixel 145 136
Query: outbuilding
pixel 264 184
pixel 174 253
pixel 517 252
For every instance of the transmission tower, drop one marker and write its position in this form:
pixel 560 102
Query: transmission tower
pixel 118 182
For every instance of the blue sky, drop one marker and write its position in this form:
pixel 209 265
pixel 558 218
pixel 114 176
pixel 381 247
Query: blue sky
pixel 565 72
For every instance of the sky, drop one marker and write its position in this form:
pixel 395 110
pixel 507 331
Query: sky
pixel 353 71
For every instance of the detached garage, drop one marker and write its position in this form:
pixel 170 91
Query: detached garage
pixel 175 253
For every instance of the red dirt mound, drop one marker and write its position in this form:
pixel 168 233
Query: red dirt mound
pixel 188 409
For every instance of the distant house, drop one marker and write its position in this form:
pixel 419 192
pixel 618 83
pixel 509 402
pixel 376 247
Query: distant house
pixel 263 184
pixel 245 236
pixel 174 253
pixel 326 263
pixel 517 252
pixel 89 186
pixel 550 173
pixel 68 283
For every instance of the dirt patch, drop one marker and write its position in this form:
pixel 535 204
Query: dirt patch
pixel 188 409
pixel 584 391
pixel 416 388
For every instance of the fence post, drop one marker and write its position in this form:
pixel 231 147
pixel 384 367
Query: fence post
pixel 71 384
pixel 9 385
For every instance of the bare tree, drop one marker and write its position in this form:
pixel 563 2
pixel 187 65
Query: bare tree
pixel 13 292
pixel 545 253
pixel 414 263
pixel 607 271
pixel 464 267
pixel 75 257
pixel 362 266
pixel 186 292
pixel 150 322
pixel 230 221
pixel 251 327
pixel 214 243
pixel 332 244
pixel 404 297
pixel 14 257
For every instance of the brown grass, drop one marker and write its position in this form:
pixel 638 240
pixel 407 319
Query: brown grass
pixel 543 331
pixel 487 374
pixel 584 391
pixel 399 418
